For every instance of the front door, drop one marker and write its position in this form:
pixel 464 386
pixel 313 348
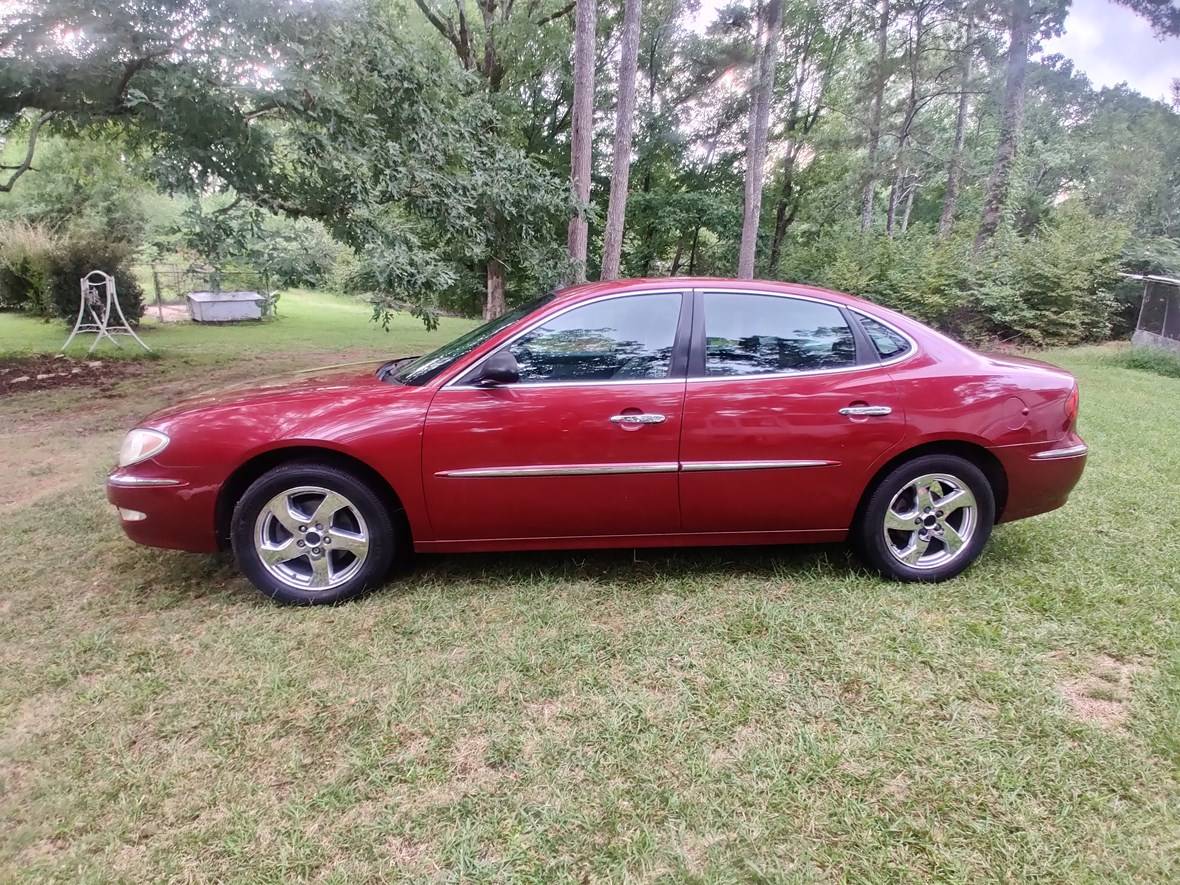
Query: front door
pixel 585 444
pixel 784 419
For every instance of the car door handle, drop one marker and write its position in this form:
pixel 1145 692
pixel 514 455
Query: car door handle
pixel 866 411
pixel 638 418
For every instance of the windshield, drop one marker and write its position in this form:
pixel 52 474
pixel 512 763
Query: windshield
pixel 424 368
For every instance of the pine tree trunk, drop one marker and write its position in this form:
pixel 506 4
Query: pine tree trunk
pixel 909 206
pixel 756 138
pixel 1010 123
pixel 866 208
pixel 612 247
pixel 581 131
pixel 954 172
pixel 495 305
pixel 896 193
pixel 676 257
pixel 785 210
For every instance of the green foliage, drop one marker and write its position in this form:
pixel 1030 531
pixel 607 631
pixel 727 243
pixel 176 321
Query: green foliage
pixel 26 261
pixel 1148 359
pixel 73 259
pixel 81 187
pixel 401 149
pixel 1054 287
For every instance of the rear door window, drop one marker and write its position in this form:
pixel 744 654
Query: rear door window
pixel 749 334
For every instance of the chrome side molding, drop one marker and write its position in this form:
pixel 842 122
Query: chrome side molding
pixel 123 479
pixel 1053 454
pixel 564 470
pixel 696 466
pixel 646 467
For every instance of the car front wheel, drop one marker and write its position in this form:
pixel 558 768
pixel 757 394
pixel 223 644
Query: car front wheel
pixel 312 534
pixel 927 519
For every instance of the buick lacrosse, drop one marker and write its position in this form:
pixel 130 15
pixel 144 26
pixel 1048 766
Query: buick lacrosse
pixel 639 413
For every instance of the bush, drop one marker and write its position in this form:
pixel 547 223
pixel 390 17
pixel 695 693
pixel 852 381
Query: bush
pixel 73 259
pixel 1054 287
pixel 26 260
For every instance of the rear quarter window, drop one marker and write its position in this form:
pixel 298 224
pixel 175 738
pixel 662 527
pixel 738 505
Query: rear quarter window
pixel 888 343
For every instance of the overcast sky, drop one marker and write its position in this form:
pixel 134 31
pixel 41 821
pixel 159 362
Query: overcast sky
pixel 1112 45
pixel 1108 42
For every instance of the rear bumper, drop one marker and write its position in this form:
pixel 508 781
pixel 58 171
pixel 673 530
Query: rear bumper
pixel 176 511
pixel 1041 475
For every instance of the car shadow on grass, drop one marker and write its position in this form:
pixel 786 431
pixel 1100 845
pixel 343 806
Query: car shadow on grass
pixel 166 578
pixel 642 568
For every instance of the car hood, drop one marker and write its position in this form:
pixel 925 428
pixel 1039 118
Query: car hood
pixel 328 384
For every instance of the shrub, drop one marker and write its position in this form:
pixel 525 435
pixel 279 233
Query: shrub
pixel 26 260
pixel 1054 287
pixel 73 259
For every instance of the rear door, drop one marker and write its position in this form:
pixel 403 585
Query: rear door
pixel 786 411
pixel 585 444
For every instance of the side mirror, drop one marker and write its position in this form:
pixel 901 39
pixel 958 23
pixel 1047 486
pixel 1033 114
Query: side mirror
pixel 500 368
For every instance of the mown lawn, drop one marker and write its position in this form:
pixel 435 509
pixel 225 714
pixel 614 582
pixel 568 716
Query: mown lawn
pixel 766 714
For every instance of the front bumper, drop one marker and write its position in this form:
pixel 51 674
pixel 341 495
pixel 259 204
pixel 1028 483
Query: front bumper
pixel 175 510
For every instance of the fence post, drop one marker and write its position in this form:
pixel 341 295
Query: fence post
pixel 156 284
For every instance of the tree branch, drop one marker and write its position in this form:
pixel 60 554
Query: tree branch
pixel 27 164
pixel 553 16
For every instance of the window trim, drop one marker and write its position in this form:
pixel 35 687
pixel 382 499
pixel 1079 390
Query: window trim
pixel 676 369
pixel 697 358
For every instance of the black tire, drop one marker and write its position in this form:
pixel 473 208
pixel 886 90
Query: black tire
pixel 355 575
pixel 869 537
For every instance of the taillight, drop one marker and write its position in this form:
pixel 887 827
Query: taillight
pixel 1071 409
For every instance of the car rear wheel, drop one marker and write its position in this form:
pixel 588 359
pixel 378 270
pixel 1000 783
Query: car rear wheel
pixel 927 519
pixel 311 534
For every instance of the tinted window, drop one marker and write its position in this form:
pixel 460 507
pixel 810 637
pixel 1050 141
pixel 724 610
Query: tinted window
pixel 761 334
pixel 888 343
pixel 615 340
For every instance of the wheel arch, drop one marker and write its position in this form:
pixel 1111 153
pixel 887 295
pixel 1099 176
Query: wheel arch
pixel 247 472
pixel 975 453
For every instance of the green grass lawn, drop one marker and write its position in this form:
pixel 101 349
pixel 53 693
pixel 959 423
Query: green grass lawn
pixel 312 321
pixel 704 715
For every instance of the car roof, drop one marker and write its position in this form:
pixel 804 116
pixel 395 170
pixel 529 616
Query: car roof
pixel 591 290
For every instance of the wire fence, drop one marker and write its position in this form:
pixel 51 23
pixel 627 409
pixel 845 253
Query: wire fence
pixel 168 285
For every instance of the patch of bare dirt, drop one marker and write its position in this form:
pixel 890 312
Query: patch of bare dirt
pixel 1102 696
pixel 43 372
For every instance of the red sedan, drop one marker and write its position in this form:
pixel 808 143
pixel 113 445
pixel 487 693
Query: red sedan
pixel 641 413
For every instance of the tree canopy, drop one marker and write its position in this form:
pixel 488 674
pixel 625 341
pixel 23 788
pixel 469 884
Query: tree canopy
pixel 923 152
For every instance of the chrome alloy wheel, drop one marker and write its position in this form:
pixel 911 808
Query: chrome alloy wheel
pixel 311 538
pixel 931 521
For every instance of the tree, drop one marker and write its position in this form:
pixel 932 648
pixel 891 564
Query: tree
pixel 1164 15
pixel 612 247
pixel 486 50
pixel 814 38
pixel 765 59
pixel 954 170
pixel 1019 37
pixel 581 135
pixel 880 78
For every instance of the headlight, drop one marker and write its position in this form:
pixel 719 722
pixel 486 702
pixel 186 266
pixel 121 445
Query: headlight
pixel 139 445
